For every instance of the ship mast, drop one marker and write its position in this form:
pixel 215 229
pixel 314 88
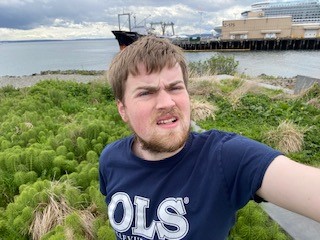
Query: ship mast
pixel 129 20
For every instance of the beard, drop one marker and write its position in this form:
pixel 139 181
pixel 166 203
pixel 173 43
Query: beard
pixel 167 142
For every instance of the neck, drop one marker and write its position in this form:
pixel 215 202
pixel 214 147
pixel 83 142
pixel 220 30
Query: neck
pixel 145 154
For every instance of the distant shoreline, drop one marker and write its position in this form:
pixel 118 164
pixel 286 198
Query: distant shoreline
pixel 71 75
pixel 55 40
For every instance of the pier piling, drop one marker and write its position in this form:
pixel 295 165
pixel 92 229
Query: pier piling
pixel 252 44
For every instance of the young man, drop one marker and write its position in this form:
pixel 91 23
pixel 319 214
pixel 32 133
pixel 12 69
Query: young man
pixel 166 182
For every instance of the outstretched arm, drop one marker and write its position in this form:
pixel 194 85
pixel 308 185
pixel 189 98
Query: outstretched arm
pixel 293 186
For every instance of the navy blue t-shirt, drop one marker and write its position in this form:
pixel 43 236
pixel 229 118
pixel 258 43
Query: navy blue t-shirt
pixel 192 195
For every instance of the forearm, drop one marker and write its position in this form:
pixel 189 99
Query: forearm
pixel 293 186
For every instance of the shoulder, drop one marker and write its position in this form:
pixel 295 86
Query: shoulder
pixel 244 146
pixel 116 148
pixel 213 134
pixel 121 143
pixel 212 138
pixel 233 147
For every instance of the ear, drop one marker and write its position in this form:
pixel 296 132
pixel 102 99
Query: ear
pixel 122 110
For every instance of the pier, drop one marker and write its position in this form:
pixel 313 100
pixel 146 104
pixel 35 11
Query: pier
pixel 249 44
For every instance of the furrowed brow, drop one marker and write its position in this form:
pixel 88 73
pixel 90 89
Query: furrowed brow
pixel 148 88
pixel 169 86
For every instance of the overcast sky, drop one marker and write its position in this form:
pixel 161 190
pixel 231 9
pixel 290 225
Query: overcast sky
pixel 72 19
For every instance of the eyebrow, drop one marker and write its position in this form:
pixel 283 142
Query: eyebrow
pixel 173 84
pixel 153 88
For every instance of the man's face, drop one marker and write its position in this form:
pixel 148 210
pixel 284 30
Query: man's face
pixel 157 108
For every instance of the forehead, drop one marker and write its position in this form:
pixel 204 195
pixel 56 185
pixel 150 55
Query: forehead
pixel 142 74
pixel 142 69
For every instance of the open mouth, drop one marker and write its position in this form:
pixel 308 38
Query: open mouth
pixel 167 121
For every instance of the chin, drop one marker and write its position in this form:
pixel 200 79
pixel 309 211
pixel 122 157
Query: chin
pixel 169 142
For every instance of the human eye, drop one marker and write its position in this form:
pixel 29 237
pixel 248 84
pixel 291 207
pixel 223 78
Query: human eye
pixel 177 87
pixel 144 93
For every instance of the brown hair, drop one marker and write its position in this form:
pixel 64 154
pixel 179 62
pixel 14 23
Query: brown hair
pixel 154 53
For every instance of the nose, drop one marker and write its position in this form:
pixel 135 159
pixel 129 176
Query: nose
pixel 164 100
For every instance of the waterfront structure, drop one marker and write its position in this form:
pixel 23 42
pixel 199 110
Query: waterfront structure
pixel 256 32
pixel 251 45
pixel 301 11
pixel 258 26
pixel 260 33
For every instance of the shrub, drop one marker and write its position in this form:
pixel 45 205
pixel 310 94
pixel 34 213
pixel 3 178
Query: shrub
pixel 202 110
pixel 287 137
pixel 217 64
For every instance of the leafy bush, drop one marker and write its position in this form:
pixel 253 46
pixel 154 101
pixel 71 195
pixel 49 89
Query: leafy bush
pixel 54 130
pixel 217 64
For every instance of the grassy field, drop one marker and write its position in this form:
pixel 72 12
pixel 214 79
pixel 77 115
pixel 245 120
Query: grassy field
pixel 53 132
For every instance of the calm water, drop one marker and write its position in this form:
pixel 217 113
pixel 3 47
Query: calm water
pixel 25 58
pixel 275 63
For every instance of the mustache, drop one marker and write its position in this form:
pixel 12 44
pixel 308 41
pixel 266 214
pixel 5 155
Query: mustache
pixel 172 111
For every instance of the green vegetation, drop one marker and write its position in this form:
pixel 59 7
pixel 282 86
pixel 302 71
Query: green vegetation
pixel 69 72
pixel 51 137
pixel 254 224
pixel 53 132
pixel 218 64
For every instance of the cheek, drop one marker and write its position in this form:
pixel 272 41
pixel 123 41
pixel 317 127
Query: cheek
pixel 140 125
pixel 139 118
pixel 184 105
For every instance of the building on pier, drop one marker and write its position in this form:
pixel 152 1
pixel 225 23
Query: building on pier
pixel 260 33
pixel 269 25
pixel 258 26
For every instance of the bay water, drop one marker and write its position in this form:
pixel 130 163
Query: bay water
pixel 27 58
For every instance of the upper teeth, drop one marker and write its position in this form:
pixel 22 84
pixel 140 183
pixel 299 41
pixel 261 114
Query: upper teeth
pixel 166 121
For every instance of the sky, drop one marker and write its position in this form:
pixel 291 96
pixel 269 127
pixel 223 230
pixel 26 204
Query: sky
pixel 77 19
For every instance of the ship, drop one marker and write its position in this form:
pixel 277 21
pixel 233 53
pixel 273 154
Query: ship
pixel 301 11
pixel 125 38
pixel 136 31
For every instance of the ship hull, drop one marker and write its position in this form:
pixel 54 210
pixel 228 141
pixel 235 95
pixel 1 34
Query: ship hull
pixel 125 38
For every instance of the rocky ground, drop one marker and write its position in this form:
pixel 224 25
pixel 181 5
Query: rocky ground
pixel 279 81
